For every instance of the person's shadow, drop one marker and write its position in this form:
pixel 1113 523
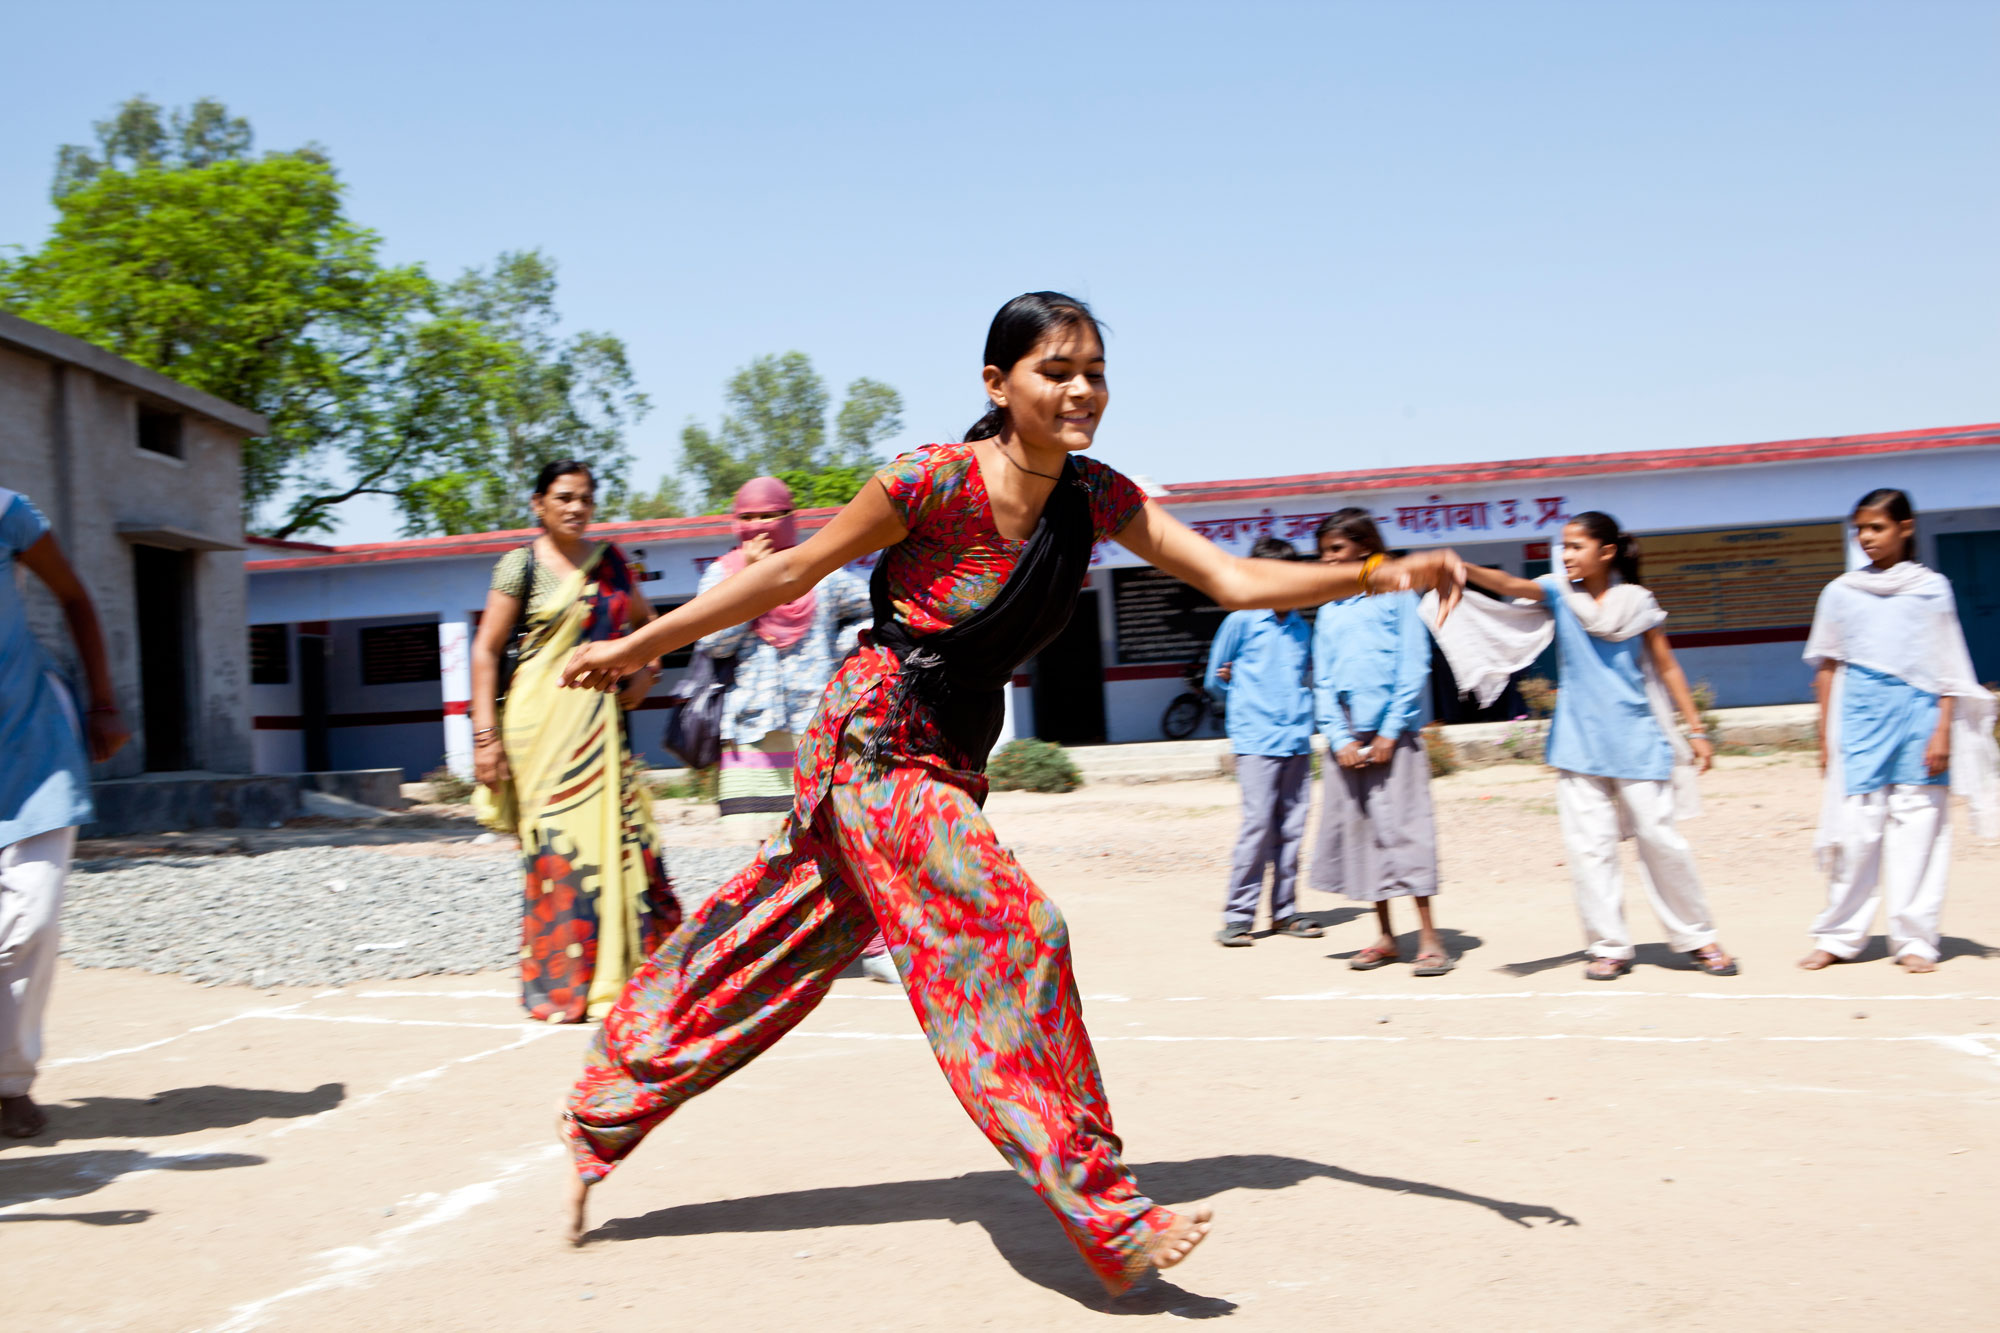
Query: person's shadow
pixel 1020 1226
pixel 180 1111
pixel 66 1175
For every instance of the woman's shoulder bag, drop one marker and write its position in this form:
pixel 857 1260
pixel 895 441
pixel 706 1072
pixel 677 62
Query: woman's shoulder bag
pixel 694 720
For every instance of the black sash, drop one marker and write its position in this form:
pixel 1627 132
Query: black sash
pixel 954 678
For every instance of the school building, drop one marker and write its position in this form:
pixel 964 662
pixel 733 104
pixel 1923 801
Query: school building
pixel 359 653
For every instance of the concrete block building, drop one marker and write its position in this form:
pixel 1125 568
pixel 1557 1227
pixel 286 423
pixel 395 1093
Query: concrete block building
pixel 366 645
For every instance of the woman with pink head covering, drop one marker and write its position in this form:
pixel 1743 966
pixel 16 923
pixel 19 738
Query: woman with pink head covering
pixel 784 658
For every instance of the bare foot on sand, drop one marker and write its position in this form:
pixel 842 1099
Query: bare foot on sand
pixel 1916 962
pixel 1170 1247
pixel 20 1118
pixel 575 1199
pixel 1818 959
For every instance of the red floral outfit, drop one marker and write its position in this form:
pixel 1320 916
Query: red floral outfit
pixel 887 830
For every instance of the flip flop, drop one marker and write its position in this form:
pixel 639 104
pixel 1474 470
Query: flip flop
pixel 1711 959
pixel 1432 964
pixel 1619 967
pixel 1300 928
pixel 1372 957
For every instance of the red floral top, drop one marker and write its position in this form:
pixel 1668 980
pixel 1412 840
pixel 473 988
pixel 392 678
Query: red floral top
pixel 954 561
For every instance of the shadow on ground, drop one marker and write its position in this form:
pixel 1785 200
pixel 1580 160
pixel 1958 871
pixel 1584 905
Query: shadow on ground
pixel 181 1111
pixel 1020 1227
pixel 66 1175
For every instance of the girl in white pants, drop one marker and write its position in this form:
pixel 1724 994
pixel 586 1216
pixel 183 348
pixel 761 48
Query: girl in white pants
pixel 1623 770
pixel 1903 722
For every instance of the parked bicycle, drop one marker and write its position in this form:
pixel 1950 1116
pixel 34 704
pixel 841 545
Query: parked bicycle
pixel 1184 715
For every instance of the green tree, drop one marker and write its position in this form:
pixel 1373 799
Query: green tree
pixel 243 276
pixel 776 426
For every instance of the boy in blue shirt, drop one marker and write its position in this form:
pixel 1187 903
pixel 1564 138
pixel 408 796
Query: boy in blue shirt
pixel 1261 660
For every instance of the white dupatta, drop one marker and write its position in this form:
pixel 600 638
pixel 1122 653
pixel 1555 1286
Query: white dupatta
pixel 1935 661
pixel 1487 640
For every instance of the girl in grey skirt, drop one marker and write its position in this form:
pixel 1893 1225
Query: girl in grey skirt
pixel 1371 688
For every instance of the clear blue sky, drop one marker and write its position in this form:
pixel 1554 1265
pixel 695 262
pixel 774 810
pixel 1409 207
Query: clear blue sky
pixel 1325 235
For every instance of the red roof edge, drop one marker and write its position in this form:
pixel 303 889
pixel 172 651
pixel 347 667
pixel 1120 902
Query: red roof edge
pixel 285 544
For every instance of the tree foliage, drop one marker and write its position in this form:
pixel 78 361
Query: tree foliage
pixel 242 276
pixel 776 425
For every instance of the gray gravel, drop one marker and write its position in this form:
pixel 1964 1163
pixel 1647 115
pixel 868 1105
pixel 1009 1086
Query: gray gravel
pixel 319 916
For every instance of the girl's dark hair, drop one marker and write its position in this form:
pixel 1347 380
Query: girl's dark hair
pixel 1899 508
pixel 1600 527
pixel 1020 324
pixel 1273 548
pixel 562 467
pixel 1357 525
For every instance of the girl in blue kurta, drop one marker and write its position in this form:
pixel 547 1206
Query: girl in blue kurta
pixel 1371 690
pixel 1622 769
pixel 1903 721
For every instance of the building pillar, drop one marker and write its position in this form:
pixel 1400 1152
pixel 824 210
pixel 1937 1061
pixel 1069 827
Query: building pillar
pixel 455 682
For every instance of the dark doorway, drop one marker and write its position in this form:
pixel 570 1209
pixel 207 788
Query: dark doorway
pixel 1068 680
pixel 162 587
pixel 312 701
pixel 1971 560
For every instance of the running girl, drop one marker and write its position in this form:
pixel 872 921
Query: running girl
pixel 986 544
pixel 1902 722
pixel 1623 771
pixel 1371 661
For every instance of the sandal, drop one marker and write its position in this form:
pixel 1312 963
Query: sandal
pixel 1607 969
pixel 1372 957
pixel 1711 959
pixel 1432 964
pixel 1299 927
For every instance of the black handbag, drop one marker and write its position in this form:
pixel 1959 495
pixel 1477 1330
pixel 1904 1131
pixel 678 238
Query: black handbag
pixel 694 724
pixel 510 656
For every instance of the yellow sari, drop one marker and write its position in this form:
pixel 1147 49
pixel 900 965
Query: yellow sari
pixel 596 900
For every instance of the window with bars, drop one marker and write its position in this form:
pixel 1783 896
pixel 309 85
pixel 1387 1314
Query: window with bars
pixel 399 654
pixel 270 654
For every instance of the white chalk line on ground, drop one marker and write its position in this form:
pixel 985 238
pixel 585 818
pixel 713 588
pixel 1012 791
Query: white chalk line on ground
pixel 1606 993
pixel 151 1045
pixel 354 1264
pixel 416 1080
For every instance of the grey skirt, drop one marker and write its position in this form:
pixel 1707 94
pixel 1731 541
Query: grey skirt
pixel 1377 838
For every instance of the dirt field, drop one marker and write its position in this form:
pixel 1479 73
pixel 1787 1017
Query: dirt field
pixel 1509 1147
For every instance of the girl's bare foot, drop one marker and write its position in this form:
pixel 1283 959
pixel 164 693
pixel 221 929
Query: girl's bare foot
pixel 575 1200
pixel 1915 962
pixel 1170 1247
pixel 1818 959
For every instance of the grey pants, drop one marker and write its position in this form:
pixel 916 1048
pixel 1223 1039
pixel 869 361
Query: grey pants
pixel 1277 792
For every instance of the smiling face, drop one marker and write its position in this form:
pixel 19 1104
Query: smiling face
pixel 1054 396
pixel 1337 548
pixel 565 509
pixel 1584 556
pixel 1884 540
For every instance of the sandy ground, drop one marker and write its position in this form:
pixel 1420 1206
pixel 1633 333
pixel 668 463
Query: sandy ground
pixel 1508 1147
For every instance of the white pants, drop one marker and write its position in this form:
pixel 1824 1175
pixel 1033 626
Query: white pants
pixel 1895 841
pixel 32 872
pixel 1594 811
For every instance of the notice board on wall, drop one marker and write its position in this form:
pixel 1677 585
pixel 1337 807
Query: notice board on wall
pixel 1160 619
pixel 1742 578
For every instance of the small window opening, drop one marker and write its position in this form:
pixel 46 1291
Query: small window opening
pixel 270 655
pixel 159 432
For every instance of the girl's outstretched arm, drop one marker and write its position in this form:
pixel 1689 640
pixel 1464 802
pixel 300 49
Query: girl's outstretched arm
pixel 1669 671
pixel 867 524
pixel 1237 584
pixel 1504 584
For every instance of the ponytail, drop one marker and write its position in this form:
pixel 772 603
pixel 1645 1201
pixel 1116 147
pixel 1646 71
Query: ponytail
pixel 987 426
pixel 1603 529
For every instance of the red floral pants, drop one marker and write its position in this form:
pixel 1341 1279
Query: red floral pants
pixel 984 957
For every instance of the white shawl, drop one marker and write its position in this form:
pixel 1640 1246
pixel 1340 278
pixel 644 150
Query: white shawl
pixel 1487 640
pixel 1936 662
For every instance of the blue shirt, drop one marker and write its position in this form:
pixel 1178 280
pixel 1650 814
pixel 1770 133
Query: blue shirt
pixel 1269 694
pixel 44 774
pixel 1603 725
pixel 1371 668
pixel 1885 725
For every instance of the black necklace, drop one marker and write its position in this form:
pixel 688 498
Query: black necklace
pixel 1049 476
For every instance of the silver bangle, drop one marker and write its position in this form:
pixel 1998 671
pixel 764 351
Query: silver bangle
pixel 1697 735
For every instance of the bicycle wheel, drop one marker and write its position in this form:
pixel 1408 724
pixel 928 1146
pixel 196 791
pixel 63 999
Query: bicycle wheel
pixel 1183 715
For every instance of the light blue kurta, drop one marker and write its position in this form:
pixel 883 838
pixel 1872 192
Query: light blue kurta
pixel 1885 725
pixel 44 773
pixel 1268 699
pixel 1371 668
pixel 1603 725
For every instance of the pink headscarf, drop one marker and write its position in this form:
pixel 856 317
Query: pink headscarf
pixel 781 626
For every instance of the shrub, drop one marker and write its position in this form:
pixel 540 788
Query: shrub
pixel 688 784
pixel 1704 705
pixel 1526 741
pixel 1032 765
pixel 448 788
pixel 1539 693
pixel 1443 754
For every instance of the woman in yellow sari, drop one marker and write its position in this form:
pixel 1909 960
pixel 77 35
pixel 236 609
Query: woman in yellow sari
pixel 556 766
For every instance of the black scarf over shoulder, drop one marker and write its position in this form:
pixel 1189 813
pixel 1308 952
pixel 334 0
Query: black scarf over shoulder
pixel 953 679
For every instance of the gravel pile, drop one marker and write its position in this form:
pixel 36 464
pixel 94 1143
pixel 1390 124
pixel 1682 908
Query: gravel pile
pixel 319 916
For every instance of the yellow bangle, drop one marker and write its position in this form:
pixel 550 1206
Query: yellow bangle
pixel 1368 568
